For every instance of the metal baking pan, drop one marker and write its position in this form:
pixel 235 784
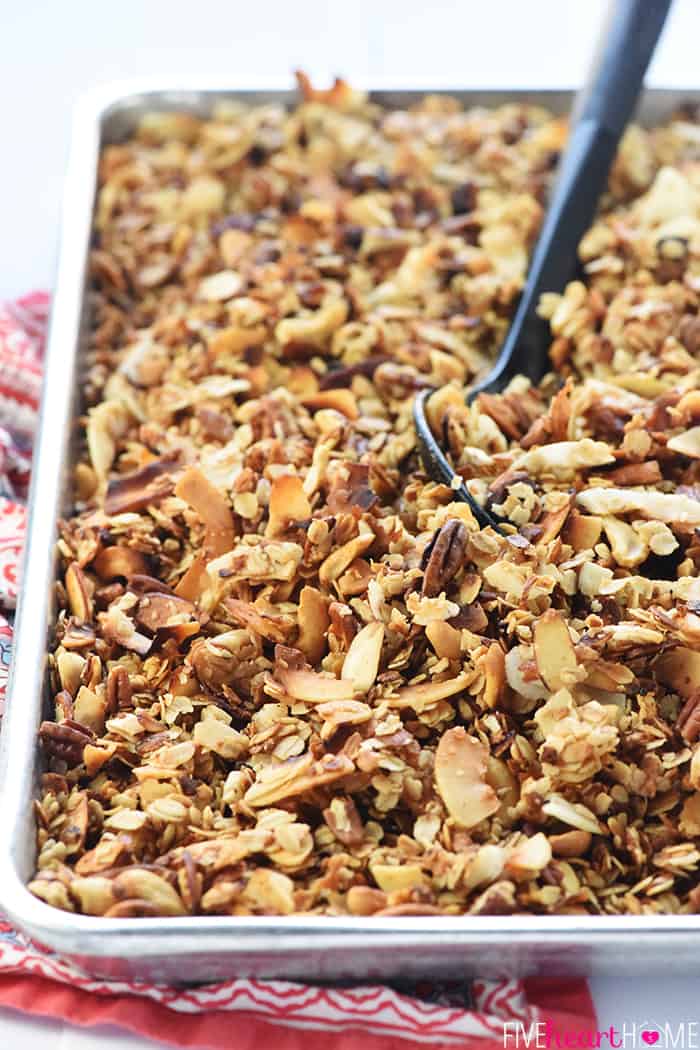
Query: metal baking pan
pixel 211 948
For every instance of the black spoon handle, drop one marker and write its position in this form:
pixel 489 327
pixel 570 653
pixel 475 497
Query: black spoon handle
pixel 600 115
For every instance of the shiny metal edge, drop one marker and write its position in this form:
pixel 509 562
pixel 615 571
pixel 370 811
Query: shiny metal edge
pixel 215 947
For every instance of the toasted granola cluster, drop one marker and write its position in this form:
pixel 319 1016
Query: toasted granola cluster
pixel 291 674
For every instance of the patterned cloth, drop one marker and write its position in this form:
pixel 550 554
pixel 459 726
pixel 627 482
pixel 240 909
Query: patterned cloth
pixel 274 1014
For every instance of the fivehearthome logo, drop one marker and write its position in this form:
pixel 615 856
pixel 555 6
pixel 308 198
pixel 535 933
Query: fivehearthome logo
pixel 633 1035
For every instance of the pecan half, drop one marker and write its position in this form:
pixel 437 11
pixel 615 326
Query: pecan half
pixel 689 719
pixel 66 740
pixel 118 690
pixel 445 556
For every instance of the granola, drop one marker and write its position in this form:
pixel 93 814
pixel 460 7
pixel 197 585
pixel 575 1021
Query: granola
pixel 291 674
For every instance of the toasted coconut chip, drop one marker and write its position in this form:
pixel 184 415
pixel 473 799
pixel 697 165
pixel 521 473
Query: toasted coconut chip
pixel 138 490
pixel 564 459
pixel 342 401
pixel 393 878
pixel 211 506
pixel 336 563
pixel 157 610
pixel 112 562
pixel 662 506
pixel 296 777
pixel 107 423
pixel 288 503
pixel 314 688
pixel 582 531
pixel 361 663
pixel 529 858
pixel 445 639
pixel 268 625
pixel 460 777
pixel 90 710
pixel 680 668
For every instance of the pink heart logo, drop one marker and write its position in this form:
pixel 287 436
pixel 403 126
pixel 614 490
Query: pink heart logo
pixel 650 1037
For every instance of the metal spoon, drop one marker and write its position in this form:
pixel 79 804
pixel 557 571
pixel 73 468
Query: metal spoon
pixel 600 115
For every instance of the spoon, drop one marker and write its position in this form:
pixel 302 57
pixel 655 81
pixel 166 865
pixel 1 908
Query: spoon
pixel 601 111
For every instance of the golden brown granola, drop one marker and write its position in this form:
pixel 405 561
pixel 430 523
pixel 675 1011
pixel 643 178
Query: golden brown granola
pixel 291 674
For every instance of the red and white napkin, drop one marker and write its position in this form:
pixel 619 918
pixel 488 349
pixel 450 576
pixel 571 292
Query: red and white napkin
pixel 269 1015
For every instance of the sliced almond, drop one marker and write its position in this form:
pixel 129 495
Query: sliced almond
pixel 95 757
pixel 313 621
pixel 687 443
pixel 344 712
pixel 574 814
pixel 107 424
pixel 78 591
pixel 554 651
pixel 461 762
pixel 494 667
pixel 288 502
pixel 361 663
pixel 426 694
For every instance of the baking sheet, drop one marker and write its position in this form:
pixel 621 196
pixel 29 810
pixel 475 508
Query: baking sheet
pixel 209 948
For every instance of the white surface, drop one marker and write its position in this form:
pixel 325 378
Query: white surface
pixel 53 51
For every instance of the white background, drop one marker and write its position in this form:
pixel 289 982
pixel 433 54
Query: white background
pixel 51 51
